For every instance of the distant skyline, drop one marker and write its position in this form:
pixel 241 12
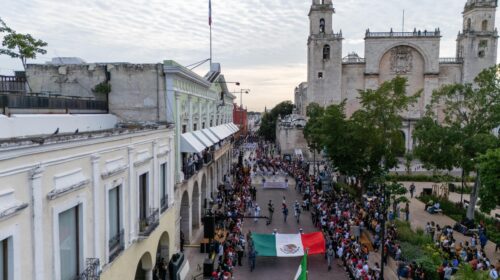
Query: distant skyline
pixel 260 43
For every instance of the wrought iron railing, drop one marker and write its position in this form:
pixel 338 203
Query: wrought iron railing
pixel 164 203
pixel 415 33
pixel 33 101
pixel 450 60
pixel 12 84
pixel 116 245
pixel 149 223
pixel 92 270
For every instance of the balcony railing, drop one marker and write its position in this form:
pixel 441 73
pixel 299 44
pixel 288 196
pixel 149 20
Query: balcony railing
pixel 189 169
pixel 164 203
pixel 37 102
pixel 415 33
pixel 450 60
pixel 92 270
pixel 148 224
pixel 116 245
pixel 208 157
pixel 12 84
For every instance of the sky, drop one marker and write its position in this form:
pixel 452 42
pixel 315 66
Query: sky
pixel 260 43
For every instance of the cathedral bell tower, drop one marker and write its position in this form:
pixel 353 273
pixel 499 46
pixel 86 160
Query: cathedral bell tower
pixel 477 42
pixel 324 56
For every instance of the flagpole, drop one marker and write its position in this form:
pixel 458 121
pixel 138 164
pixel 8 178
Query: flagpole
pixel 210 24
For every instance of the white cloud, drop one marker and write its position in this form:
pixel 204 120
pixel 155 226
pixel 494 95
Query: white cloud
pixel 261 43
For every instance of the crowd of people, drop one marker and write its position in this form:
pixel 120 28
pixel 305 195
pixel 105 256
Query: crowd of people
pixel 351 228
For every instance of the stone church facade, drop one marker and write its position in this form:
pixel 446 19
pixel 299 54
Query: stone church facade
pixel 332 78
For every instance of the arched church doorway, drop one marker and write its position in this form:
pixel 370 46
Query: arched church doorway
pixel 162 257
pixel 144 270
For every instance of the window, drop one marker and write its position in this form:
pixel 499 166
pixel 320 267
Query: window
pixel 483 44
pixel 322 25
pixel 326 52
pixel 195 126
pixel 481 54
pixel 320 75
pixel 469 23
pixel 484 25
pixel 70 243
pixel 211 123
pixel 6 259
pixel 184 128
pixel 143 196
pixel 115 229
pixel 203 125
pixel 163 187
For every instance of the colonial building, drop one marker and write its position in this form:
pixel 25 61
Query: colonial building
pixel 104 167
pixel 81 194
pixel 415 55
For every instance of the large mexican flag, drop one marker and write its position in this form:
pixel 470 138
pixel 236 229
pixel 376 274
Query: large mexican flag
pixel 288 245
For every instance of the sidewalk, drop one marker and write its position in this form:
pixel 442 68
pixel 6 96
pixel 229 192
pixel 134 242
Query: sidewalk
pixel 419 218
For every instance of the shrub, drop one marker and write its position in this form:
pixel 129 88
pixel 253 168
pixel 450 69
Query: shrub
pixel 426 178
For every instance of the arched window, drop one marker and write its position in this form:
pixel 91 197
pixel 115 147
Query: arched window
pixel 484 25
pixel 322 25
pixel 469 24
pixel 322 2
pixel 326 52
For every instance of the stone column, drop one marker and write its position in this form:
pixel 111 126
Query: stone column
pixel 35 177
pixel 97 202
pixel 190 116
pixel 156 178
pixel 132 203
pixel 149 274
pixel 200 116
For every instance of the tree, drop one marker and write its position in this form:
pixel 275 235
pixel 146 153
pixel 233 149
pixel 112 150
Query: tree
pixel 470 112
pixel 408 160
pixel 268 123
pixel 466 272
pixel 396 193
pixel 312 130
pixel 22 46
pixel 489 169
pixel 368 144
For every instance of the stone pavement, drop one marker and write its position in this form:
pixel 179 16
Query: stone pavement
pixel 419 218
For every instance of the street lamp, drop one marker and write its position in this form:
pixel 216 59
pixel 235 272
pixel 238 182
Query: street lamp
pixel 246 91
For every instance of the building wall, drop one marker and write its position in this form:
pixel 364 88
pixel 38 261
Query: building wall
pixel 137 90
pixel 52 178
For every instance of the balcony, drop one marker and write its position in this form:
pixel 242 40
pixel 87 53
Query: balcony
pixel 190 168
pixel 451 60
pixel 149 224
pixel 39 103
pixel 92 270
pixel 208 157
pixel 12 84
pixel 164 203
pixel 391 34
pixel 116 245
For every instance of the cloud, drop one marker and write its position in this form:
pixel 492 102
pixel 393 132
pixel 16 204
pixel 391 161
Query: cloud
pixel 261 43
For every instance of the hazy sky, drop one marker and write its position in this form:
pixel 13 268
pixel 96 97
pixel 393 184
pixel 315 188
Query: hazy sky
pixel 260 43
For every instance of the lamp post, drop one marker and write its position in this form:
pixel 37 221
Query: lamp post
pixel 246 91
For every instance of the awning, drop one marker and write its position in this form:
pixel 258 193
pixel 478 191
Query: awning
pixel 202 138
pixel 210 135
pixel 189 144
pixel 216 130
pixel 236 128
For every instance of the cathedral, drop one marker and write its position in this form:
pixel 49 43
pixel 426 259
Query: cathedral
pixel 332 78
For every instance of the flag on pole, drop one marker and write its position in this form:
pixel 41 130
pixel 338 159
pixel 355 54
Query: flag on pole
pixel 302 271
pixel 210 12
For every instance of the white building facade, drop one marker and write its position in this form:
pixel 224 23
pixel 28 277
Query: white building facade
pixel 84 203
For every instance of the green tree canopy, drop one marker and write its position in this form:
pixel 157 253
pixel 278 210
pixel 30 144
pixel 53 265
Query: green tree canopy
pixel 367 144
pixel 312 131
pixel 490 179
pixel 22 46
pixel 460 133
pixel 268 123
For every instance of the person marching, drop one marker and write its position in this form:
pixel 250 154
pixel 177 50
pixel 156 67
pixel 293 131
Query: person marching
pixel 270 207
pixel 297 211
